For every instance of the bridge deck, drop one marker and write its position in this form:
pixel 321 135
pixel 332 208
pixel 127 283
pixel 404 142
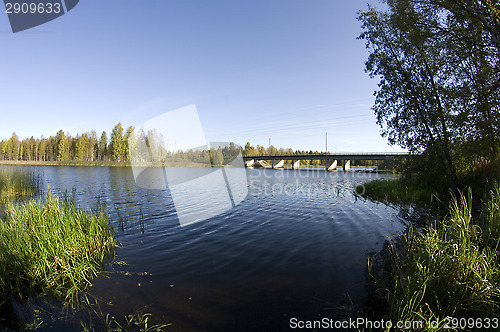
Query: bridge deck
pixel 339 156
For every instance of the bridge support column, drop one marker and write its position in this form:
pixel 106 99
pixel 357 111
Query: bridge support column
pixel 347 165
pixel 331 165
pixel 264 164
pixel 279 164
pixel 295 164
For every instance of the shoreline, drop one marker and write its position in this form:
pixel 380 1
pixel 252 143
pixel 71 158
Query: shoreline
pixel 93 164
pixel 360 169
pixel 403 265
pixel 63 163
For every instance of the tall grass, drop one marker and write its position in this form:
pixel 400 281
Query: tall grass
pixel 450 269
pixel 138 321
pixel 401 190
pixel 17 183
pixel 51 248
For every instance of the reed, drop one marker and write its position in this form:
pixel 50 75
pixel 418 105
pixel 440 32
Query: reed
pixel 450 269
pixel 17 183
pixel 398 191
pixel 51 248
pixel 99 320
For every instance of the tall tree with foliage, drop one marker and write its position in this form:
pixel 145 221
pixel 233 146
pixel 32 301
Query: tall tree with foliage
pixel 103 146
pixel 473 33
pixel 130 143
pixel 117 145
pixel 271 151
pixel 42 149
pixel 62 146
pixel 80 147
pixel 92 146
pixel 261 150
pixel 439 89
pixel 14 147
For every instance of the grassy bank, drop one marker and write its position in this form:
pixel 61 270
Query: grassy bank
pixel 448 270
pixel 51 248
pixel 17 184
pixel 399 191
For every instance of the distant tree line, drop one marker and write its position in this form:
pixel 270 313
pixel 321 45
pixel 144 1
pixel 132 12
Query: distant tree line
pixel 64 147
pixel 131 144
pixel 121 146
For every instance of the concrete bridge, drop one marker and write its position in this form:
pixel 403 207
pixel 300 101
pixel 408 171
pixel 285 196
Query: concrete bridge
pixel 331 160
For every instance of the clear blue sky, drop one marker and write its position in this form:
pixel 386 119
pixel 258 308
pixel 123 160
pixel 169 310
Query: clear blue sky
pixel 286 70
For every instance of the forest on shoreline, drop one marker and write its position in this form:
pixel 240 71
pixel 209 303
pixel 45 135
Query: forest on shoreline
pixel 125 145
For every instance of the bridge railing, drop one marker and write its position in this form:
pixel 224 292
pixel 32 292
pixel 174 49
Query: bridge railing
pixel 337 154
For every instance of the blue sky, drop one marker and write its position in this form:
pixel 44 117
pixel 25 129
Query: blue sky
pixel 286 70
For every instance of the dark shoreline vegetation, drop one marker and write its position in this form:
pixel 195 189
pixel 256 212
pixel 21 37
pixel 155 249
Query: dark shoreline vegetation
pixel 399 191
pixel 438 96
pixel 445 269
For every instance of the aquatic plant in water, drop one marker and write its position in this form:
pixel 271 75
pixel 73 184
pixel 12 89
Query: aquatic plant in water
pixel 51 248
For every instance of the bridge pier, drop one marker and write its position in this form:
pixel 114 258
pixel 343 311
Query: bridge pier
pixel 265 164
pixel 279 164
pixel 330 159
pixel 331 164
pixel 347 165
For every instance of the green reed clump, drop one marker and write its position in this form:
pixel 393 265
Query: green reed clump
pixel 450 269
pixel 490 219
pixel 51 248
pixel 397 191
pixel 138 321
pixel 17 183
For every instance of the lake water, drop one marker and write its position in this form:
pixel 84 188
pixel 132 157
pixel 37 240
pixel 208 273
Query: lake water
pixel 296 246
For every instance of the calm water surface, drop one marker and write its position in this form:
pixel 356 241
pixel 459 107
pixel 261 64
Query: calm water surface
pixel 295 247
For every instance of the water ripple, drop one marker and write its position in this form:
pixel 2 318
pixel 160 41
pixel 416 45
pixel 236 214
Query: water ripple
pixel 299 236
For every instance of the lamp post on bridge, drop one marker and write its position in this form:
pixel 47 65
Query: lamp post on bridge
pixel 326 143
